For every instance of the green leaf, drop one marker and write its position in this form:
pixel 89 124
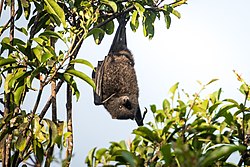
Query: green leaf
pixel 21 142
pixel 148 23
pixel 90 158
pixel 52 131
pixel 213 107
pixel 109 27
pixel 130 158
pixel 6 61
pixel 69 79
pixel 38 150
pixel 166 152
pixel 6 83
pixel 139 8
pixel 22 30
pixel 100 153
pixel 56 10
pixel 153 108
pixel 34 74
pixel 49 34
pixel 18 94
pixel 172 90
pixel 166 104
pixel 147 134
pixel 219 152
pixel 80 75
pixel 224 111
pixel 82 61
pixel 26 8
pixel 167 19
pixel 38 52
pixel 19 10
pixel 66 135
pixel 134 24
pixel 111 4
pixel 213 80
pixel 176 13
pixel 98 35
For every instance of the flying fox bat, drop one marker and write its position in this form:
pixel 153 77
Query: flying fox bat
pixel 115 79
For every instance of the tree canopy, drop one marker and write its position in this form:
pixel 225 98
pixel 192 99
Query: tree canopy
pixel 34 61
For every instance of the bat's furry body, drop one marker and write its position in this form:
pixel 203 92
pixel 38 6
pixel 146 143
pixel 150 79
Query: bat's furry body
pixel 116 82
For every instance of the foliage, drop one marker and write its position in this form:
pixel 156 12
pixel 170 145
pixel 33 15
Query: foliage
pixel 193 132
pixel 34 59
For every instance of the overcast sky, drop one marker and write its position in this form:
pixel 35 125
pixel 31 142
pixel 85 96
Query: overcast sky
pixel 211 39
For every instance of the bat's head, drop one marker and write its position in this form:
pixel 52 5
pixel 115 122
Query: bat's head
pixel 121 107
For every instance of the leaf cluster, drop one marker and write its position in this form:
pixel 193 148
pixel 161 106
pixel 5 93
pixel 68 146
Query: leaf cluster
pixel 43 54
pixel 195 132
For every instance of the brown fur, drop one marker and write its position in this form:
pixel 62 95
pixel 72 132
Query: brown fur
pixel 119 78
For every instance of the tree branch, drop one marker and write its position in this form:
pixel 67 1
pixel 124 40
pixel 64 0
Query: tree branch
pixel 1 7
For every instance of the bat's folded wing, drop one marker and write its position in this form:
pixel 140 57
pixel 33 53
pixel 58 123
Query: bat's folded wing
pixel 97 76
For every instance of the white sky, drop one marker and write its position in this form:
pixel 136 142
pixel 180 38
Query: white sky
pixel 210 40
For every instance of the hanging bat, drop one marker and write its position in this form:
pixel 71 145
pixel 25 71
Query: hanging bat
pixel 115 78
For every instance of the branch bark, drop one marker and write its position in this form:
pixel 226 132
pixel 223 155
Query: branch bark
pixel 6 155
pixel 53 108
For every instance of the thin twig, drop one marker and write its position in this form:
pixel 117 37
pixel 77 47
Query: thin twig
pixel 189 112
pixel 244 141
pixel 8 141
pixel 69 151
pixel 7 24
pixel 48 103
pixel 1 7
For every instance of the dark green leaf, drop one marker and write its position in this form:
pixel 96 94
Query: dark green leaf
pixel 6 61
pixel 49 34
pixel 219 152
pixel 19 94
pixel 22 30
pixel 38 150
pixel 69 79
pixel 130 158
pixel 111 4
pixel 167 19
pixel 109 27
pixel 166 152
pixel 147 134
pixel 153 108
pixel 98 35
pixel 27 12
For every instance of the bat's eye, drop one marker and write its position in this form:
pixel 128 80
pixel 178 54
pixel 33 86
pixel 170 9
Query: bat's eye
pixel 120 107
